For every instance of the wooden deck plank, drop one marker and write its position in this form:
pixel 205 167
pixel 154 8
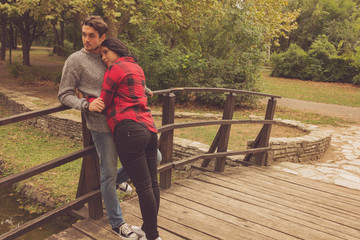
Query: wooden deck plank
pixel 168 229
pixel 69 233
pixel 243 203
pixel 303 210
pixel 223 212
pixel 338 193
pixel 275 189
pixel 284 212
pixel 251 205
pixel 96 229
pixel 308 183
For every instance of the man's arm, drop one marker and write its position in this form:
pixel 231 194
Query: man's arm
pixel 70 80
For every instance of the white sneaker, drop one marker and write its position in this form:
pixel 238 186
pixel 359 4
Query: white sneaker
pixel 138 231
pixel 125 232
pixel 125 187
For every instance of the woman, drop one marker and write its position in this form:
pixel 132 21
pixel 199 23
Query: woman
pixel 135 135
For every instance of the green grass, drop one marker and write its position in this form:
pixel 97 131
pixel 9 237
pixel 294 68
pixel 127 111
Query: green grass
pixel 44 66
pixel 332 93
pixel 23 147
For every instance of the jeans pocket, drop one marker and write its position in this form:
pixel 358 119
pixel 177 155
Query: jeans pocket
pixel 132 136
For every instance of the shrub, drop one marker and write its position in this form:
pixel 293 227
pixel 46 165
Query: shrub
pixel 16 69
pixel 291 63
pixel 321 63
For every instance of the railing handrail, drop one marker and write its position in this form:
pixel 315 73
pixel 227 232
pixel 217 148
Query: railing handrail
pixel 85 194
pixel 224 90
pixel 172 126
pixel 32 114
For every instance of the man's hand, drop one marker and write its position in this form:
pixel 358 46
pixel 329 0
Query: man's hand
pixel 97 105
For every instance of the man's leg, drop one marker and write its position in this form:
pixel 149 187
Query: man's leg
pixel 121 176
pixel 106 150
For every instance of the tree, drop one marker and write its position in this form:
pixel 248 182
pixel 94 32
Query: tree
pixel 4 20
pixel 340 20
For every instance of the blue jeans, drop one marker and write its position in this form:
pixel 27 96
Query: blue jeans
pixel 137 149
pixel 109 174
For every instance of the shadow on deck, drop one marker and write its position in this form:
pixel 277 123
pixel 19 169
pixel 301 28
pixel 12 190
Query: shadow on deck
pixel 243 203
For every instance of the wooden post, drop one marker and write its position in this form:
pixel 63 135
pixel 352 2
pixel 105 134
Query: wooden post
pixel 212 149
pixel 262 140
pixel 225 131
pixel 167 138
pixel 90 175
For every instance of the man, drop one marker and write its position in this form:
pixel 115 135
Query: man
pixel 84 70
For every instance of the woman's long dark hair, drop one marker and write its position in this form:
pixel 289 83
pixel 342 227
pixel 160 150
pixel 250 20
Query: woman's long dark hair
pixel 118 47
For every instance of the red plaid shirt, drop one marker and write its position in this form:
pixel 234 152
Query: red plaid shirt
pixel 123 92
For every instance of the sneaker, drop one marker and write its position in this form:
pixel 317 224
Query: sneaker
pixel 138 231
pixel 125 232
pixel 125 187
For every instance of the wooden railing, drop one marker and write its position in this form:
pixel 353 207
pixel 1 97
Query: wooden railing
pixel 89 182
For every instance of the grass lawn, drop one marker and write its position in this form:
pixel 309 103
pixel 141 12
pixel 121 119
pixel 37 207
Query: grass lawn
pixel 324 92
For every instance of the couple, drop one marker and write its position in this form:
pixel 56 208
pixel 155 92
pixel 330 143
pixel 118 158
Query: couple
pixel 110 79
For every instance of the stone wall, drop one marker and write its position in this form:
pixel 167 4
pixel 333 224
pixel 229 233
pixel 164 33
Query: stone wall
pixel 66 123
pixel 307 148
pixel 310 147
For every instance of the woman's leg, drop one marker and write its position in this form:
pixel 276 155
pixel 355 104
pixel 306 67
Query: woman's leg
pixel 133 142
pixel 152 161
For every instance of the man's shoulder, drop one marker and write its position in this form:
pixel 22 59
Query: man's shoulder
pixel 76 56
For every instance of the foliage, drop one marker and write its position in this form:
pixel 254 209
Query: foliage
pixel 339 20
pixel 16 69
pixel 321 63
pixel 290 64
pixel 206 43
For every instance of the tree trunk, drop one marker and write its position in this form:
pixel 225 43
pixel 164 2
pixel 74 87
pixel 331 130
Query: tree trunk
pixel 25 50
pixel 61 38
pixel 15 39
pixel 3 37
pixel 56 44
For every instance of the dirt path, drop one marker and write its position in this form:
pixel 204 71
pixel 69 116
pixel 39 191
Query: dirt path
pixel 333 110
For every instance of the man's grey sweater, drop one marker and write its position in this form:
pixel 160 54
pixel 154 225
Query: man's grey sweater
pixel 84 71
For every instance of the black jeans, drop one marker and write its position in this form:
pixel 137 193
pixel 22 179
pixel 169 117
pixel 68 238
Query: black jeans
pixel 137 150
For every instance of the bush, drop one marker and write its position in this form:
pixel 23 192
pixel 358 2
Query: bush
pixel 291 64
pixel 16 69
pixel 321 63
pixel 340 69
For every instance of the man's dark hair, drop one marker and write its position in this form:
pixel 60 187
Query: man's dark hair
pixel 118 47
pixel 97 23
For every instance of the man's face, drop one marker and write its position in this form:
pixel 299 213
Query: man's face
pixel 91 39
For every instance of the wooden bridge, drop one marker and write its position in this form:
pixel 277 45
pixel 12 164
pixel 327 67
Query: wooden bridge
pixel 243 203
pixel 233 203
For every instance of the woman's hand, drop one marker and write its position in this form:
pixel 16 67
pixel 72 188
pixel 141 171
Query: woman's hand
pixel 97 105
pixel 78 93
